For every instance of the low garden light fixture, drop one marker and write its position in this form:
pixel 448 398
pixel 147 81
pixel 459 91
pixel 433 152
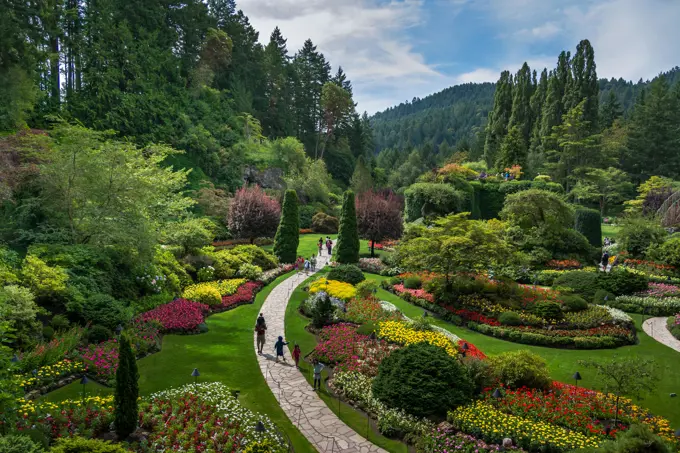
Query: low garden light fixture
pixel 673 395
pixel 497 394
pixel 84 381
pixel 195 374
pixel 464 348
pixel 425 315
pixel 35 372
pixel 577 377
pixel 15 358
pixel 259 427
pixel 119 330
pixel 677 433
pixel 372 336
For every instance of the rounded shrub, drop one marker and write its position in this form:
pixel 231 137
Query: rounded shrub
pixel 413 283
pixel 509 318
pixel 324 223
pixel 47 333
pixel 588 222
pixel 574 303
pixel 549 310
pixel 59 322
pixel 98 334
pixel 583 283
pixel 602 296
pixel 12 443
pixel 366 288
pixel 249 271
pixel 105 310
pixel 423 380
pixel 521 368
pixel 204 294
pixel 348 273
pixel 394 280
pixel 622 282
pixel 81 445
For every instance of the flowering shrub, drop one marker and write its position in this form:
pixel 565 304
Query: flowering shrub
pixel 333 288
pixel 371 265
pixel 206 274
pixel 51 352
pixel 483 420
pixel 202 418
pixel 661 290
pixel 471 351
pixel 145 336
pixel 363 310
pixel 306 231
pixel 269 276
pixel 101 360
pixel 656 306
pixel 49 374
pixel 249 271
pixel 402 333
pixel 449 171
pixel 674 325
pixel 563 264
pixel 358 388
pixel 417 293
pixel 151 283
pixel 442 440
pixel 180 315
pixel 647 265
pixel 205 293
pixel 244 294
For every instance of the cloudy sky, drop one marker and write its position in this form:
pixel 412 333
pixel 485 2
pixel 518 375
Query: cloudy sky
pixel 394 50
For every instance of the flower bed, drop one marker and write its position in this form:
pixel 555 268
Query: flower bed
pixel 416 293
pixel 442 440
pixel 653 306
pixel 368 309
pixel 101 360
pixel 269 276
pixel 674 326
pixel 661 290
pixel 563 264
pixel 334 288
pixel 224 287
pixel 178 316
pixel 245 294
pixel 50 374
pixel 402 333
pixel 482 420
pixel 371 265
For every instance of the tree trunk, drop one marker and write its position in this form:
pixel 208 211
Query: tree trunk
pixel 372 249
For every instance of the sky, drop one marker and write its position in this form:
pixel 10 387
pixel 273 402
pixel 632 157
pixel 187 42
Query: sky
pixel 395 50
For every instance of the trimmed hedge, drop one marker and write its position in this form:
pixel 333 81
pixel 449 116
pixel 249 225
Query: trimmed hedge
pixel 588 222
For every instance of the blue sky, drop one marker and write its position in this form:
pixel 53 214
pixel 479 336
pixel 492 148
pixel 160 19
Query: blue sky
pixel 394 50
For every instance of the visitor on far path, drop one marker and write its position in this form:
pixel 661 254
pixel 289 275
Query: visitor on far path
pixel 320 244
pixel 260 328
pixel 308 266
pixel 318 368
pixel 312 261
pixel 278 347
pixel 329 246
pixel 605 260
pixel 296 355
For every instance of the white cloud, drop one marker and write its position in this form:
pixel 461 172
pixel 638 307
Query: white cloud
pixel 365 37
pixel 544 31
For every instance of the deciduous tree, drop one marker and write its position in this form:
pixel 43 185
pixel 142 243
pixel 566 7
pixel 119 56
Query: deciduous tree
pixel 379 217
pixel 253 214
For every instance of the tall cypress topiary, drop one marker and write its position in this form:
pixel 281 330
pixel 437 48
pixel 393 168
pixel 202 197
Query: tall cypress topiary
pixel 347 249
pixel 588 222
pixel 127 390
pixel 287 235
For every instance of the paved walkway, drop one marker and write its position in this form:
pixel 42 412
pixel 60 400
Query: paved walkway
pixel 302 405
pixel 656 328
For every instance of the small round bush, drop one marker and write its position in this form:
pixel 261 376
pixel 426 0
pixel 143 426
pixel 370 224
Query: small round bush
pixel 621 282
pixel 583 283
pixel 394 280
pixel 47 333
pixel 413 283
pixel 365 288
pixel 249 271
pixel 549 310
pixel 19 444
pixel 98 334
pixel 347 273
pixel 208 295
pixel 264 446
pixel 510 318
pixel 366 329
pixel 573 303
pixel 105 310
pixel 521 368
pixel 423 380
pixel 81 445
pixel 601 297
pixel 206 274
pixel 59 322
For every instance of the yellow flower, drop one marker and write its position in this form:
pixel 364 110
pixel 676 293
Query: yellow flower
pixel 334 288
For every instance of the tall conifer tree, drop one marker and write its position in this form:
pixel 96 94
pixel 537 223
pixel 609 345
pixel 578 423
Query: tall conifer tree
pixel 347 248
pixel 499 118
pixel 126 412
pixel 287 236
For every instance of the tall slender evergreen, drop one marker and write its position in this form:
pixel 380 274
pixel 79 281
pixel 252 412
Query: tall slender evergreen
pixel 497 127
pixel 347 249
pixel 126 411
pixel 287 235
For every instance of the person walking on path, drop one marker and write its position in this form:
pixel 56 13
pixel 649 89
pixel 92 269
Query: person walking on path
pixel 312 261
pixel 278 347
pixel 318 368
pixel 605 260
pixel 260 328
pixel 296 355
pixel 308 266
pixel 320 244
pixel 329 246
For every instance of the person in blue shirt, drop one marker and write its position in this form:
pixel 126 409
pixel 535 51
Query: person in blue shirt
pixel 318 368
pixel 278 347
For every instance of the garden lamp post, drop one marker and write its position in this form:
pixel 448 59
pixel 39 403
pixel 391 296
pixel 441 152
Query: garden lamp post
pixel 372 336
pixel 425 315
pixel 677 433
pixel 119 330
pixel 259 427
pixel 35 372
pixel 195 374
pixel 84 381
pixel 15 358
pixel 465 348
pixel 577 377
pixel 497 395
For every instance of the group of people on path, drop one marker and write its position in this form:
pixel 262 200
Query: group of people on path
pixel 261 329
pixel 306 265
pixel 328 243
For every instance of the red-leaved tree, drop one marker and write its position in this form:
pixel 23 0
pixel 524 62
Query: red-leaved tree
pixel 379 217
pixel 253 214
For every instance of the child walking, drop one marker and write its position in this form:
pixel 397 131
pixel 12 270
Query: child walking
pixel 318 368
pixel 296 355
pixel 278 347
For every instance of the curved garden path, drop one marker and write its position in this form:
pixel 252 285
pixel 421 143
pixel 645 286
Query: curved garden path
pixel 656 328
pixel 301 404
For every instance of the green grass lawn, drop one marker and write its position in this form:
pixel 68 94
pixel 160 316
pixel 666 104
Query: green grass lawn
pixel 225 354
pixel 295 332
pixel 308 245
pixel 563 363
pixel 610 231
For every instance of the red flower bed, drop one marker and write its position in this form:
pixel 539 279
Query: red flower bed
pixel 306 231
pixel 244 294
pixel 469 315
pixel 417 293
pixel 180 315
pixel 600 331
pixel 472 350
pixel 563 264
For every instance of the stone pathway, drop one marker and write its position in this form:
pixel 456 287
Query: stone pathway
pixel 302 405
pixel 656 328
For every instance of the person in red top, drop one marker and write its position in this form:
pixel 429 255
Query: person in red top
pixel 296 355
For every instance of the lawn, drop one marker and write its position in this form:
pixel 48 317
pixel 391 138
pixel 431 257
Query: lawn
pixel 610 231
pixel 308 245
pixel 295 332
pixel 563 363
pixel 225 354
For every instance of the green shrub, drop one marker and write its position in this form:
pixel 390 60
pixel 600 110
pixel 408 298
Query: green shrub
pixel 549 310
pixel 637 439
pixel 413 283
pixel 306 214
pixel 510 318
pixel 394 280
pixel 126 410
pixel 366 329
pixel 252 254
pixel 13 443
pixel 401 384
pixel 59 322
pixel 347 249
pixel 365 288
pixel 98 334
pixel 249 271
pixel 668 252
pixel 102 309
pixel 583 283
pixel 516 369
pixel 206 274
pixel 431 199
pixel 287 235
pixel 621 282
pixel 263 446
pixel 638 234
pixel 324 223
pixel 80 445
pixel 588 222
pixel 346 273
pixel 150 302
pixel 44 281
pixel 47 333
pixel 322 312
pixel 574 303
pixel 601 297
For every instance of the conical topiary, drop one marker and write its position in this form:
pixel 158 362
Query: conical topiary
pixel 287 235
pixel 126 413
pixel 347 249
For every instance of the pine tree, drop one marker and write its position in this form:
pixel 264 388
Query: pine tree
pixel 521 116
pixel 287 236
pixel 347 249
pixel 361 178
pixel 278 120
pixel 535 155
pixel 126 412
pixel 312 71
pixel 611 111
pixel 513 150
pixel 583 84
pixel 499 117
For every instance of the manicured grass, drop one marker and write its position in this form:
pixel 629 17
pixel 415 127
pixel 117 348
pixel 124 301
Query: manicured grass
pixel 225 353
pixel 308 245
pixel 610 231
pixel 563 363
pixel 295 332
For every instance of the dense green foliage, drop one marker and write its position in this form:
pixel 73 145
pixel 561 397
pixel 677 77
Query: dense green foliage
pixel 81 445
pixel 287 235
pixel 637 439
pixel 127 390
pixel 400 382
pixel 19 444
pixel 589 223
pixel 346 273
pixel 521 368
pixel 429 199
pixel 347 248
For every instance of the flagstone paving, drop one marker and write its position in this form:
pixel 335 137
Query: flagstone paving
pixel 656 328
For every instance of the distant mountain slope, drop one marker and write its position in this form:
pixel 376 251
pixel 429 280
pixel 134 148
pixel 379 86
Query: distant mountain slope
pixel 460 111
